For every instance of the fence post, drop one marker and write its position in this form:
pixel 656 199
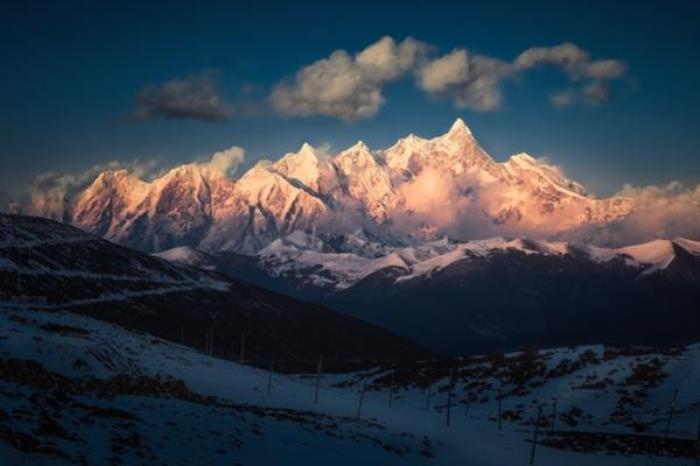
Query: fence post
pixel 670 414
pixel 535 434
pixel 554 415
pixel 318 378
pixel 269 378
pixel 449 394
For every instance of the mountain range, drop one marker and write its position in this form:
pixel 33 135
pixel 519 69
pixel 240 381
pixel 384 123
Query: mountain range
pixel 388 236
pixel 417 189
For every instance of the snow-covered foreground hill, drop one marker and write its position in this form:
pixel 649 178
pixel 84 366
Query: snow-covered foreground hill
pixel 74 390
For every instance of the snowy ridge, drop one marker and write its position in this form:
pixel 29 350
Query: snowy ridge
pixel 346 262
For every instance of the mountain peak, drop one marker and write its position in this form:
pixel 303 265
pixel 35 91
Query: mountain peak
pixel 359 146
pixel 459 127
pixel 307 148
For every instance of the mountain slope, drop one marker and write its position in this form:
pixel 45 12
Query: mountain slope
pixel 494 294
pixel 54 266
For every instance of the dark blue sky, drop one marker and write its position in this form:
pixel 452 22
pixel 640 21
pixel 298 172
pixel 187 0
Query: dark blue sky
pixel 71 73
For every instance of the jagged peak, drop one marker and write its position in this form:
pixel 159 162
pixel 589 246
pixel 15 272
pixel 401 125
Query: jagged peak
pixel 358 146
pixel 307 148
pixel 523 157
pixel 111 176
pixel 306 153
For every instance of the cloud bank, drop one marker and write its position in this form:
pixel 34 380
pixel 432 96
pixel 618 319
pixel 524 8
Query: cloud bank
pixel 659 212
pixel 350 87
pixel 196 98
pixel 475 81
pixel 346 86
pixel 664 211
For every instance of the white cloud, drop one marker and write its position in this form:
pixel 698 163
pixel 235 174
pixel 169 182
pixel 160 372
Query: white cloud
pixel 473 81
pixel 227 161
pixel 344 86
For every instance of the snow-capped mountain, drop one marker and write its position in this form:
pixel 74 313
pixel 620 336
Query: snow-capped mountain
pixel 418 188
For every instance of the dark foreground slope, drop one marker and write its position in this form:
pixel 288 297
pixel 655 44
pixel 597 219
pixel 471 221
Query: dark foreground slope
pixel 504 299
pixel 48 265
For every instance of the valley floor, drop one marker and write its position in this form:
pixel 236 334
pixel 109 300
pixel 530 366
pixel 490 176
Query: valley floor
pixel 74 390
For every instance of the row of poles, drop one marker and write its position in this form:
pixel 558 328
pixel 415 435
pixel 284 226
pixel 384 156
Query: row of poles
pixel 536 432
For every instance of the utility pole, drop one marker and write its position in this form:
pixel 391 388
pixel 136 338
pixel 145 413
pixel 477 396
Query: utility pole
pixel 243 347
pixel 671 411
pixel 554 415
pixel 449 395
pixel 697 447
pixel 535 434
pixel 318 378
pixel 499 396
pixel 362 399
pixel 269 378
